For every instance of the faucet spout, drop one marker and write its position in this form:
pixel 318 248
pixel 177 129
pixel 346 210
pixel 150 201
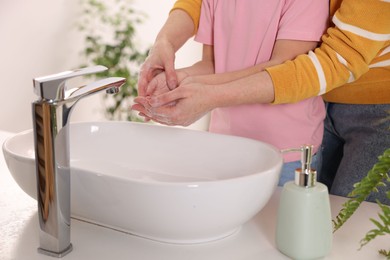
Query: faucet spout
pixel 51 138
pixel 111 85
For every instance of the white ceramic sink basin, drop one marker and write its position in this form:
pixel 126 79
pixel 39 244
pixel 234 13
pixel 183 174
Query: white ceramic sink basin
pixel 163 183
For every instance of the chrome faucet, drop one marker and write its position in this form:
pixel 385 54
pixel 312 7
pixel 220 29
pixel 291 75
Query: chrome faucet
pixel 51 136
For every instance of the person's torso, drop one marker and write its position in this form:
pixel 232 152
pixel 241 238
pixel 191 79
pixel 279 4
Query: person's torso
pixel 243 33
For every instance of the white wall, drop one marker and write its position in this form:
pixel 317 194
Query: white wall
pixel 39 38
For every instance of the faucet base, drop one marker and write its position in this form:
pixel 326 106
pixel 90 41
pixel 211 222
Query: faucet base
pixel 55 254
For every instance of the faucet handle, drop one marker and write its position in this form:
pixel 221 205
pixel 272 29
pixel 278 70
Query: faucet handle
pixel 52 86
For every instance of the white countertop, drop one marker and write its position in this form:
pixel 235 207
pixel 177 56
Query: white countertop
pixel 19 234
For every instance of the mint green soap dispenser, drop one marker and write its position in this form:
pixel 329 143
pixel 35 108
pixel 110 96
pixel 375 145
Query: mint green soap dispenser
pixel 304 222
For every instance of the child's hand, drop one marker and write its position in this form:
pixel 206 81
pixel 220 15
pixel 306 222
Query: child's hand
pixel 158 85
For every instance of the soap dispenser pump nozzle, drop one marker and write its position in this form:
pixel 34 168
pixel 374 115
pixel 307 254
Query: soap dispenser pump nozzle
pixel 306 176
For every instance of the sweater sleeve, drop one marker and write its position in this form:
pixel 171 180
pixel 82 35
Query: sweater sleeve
pixel 360 33
pixel 191 7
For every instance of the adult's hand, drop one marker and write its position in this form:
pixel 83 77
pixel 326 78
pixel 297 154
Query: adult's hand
pixel 161 58
pixel 178 28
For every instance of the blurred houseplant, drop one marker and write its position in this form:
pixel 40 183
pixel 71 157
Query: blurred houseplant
pixel 109 29
pixel 378 176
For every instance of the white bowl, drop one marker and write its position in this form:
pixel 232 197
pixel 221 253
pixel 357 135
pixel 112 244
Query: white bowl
pixel 164 183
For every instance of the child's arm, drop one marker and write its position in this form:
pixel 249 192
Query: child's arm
pixel 283 50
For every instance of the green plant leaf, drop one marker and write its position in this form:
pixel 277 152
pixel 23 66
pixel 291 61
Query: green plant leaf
pixel 378 176
pixel 110 31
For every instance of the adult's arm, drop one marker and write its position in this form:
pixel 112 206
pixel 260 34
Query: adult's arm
pixel 348 50
pixel 192 8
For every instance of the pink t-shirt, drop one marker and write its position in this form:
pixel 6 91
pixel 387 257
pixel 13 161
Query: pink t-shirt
pixel 243 33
